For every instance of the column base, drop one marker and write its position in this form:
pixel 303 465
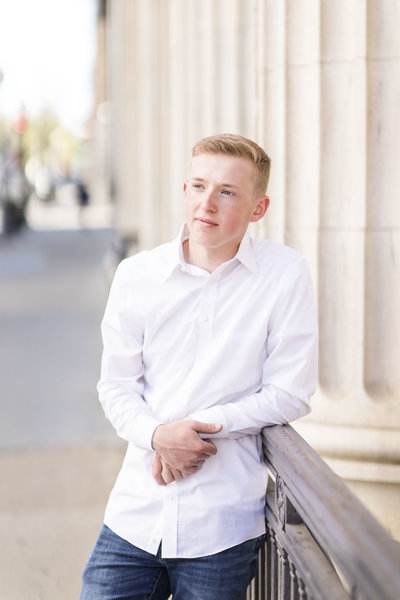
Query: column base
pixel 368 460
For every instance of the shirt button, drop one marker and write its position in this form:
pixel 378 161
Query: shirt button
pixel 205 320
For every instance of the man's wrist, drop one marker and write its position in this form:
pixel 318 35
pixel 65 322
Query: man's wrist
pixel 154 436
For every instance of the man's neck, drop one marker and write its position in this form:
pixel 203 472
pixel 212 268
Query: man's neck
pixel 208 259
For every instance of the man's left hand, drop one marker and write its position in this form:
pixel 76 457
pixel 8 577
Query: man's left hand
pixel 163 473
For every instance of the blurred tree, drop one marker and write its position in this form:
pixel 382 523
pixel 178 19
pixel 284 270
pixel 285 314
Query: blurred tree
pixel 41 136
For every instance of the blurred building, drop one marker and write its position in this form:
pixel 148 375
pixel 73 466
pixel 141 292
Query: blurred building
pixel 317 84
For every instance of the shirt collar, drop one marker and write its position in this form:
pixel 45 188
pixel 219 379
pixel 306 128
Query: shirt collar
pixel 176 260
pixel 246 254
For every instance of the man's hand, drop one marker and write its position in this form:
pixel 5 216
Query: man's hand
pixel 180 446
pixel 163 473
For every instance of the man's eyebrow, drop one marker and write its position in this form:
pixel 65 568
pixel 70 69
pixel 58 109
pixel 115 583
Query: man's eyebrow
pixel 225 185
pixel 230 185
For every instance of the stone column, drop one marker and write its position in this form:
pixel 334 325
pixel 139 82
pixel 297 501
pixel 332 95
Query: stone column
pixel 270 34
pixel 100 171
pixel 382 347
pixel 122 37
pixel 150 104
pixel 303 118
pixel 355 422
pixel 177 149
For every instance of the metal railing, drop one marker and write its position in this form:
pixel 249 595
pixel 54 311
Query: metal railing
pixel 321 542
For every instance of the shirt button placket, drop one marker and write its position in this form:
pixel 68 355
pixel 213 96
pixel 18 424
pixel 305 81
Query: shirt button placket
pixel 206 316
pixel 170 526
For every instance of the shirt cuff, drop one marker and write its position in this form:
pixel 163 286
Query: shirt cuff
pixel 145 425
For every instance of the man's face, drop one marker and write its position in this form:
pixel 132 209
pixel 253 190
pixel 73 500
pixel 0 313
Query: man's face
pixel 220 201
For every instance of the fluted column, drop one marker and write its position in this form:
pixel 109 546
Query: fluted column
pixel 149 105
pixel 177 149
pixel 342 222
pixel 355 422
pixel 271 109
pixel 124 115
pixel 303 130
pixel 382 298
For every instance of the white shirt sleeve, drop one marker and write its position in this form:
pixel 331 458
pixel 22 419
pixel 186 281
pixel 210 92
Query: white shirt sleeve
pixel 121 383
pixel 289 371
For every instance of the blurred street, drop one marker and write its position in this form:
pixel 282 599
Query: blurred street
pixel 58 454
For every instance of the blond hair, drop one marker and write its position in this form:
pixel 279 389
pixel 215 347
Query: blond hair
pixel 237 145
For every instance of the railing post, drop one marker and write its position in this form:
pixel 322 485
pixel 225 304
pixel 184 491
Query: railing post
pixel 272 566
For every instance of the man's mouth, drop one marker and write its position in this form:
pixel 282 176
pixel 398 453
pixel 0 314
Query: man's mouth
pixel 206 222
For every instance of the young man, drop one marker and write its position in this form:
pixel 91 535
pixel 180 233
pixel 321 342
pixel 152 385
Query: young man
pixel 207 340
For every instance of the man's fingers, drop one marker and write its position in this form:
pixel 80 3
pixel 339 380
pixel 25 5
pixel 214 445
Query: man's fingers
pixel 176 473
pixel 156 470
pixel 198 463
pixel 190 469
pixel 163 473
pixel 167 474
pixel 208 428
pixel 160 480
pixel 205 449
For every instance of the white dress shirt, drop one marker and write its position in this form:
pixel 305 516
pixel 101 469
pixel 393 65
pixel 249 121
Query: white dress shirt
pixel 236 347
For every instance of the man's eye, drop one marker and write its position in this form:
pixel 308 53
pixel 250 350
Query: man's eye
pixel 197 186
pixel 226 192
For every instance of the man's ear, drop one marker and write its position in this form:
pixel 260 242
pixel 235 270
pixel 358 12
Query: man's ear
pixel 260 209
pixel 185 186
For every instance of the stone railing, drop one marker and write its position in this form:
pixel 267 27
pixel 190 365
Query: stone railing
pixel 321 543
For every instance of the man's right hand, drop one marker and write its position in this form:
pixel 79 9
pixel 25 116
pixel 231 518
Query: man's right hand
pixel 180 445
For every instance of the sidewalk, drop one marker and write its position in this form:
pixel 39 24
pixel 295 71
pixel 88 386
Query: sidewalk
pixel 51 510
pixel 58 454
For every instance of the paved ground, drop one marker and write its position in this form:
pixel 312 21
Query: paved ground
pixel 58 454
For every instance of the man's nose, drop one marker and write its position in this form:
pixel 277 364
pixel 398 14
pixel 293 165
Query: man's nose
pixel 208 201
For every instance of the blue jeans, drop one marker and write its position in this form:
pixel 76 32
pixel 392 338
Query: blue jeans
pixel 117 570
